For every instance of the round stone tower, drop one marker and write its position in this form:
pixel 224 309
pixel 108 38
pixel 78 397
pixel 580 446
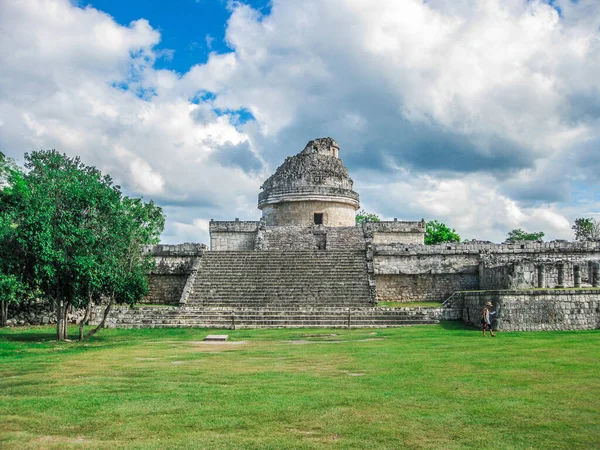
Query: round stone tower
pixel 310 188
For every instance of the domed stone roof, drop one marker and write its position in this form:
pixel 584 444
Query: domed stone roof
pixel 316 173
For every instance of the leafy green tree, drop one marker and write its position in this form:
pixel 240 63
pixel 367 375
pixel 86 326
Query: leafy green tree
pixel 362 216
pixel 438 232
pixel 586 229
pixel 12 288
pixel 139 224
pixel 80 238
pixel 12 291
pixel 520 235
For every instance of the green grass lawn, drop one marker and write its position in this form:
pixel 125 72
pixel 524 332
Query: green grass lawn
pixel 416 387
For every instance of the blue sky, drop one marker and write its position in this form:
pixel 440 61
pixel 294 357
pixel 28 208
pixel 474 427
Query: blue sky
pixel 191 29
pixel 483 114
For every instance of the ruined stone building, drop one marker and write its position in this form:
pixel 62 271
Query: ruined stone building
pixel 306 263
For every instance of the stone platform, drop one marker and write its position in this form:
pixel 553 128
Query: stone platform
pixel 274 316
pixel 534 309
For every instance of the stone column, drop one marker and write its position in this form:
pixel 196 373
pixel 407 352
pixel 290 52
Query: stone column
pixel 482 284
pixel 561 275
pixel 577 275
pixel 541 274
pixel 595 275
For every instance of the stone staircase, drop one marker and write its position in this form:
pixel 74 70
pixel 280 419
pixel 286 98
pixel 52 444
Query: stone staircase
pixel 253 279
pixel 267 317
pixel 276 289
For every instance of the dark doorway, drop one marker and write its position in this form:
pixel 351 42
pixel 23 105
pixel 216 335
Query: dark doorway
pixel 318 218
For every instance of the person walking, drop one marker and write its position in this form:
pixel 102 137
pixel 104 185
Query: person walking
pixel 486 318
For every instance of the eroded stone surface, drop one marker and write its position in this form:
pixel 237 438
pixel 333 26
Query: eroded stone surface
pixel 216 337
pixel 315 181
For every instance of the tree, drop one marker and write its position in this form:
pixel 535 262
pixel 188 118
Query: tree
pixel 586 229
pixel 520 235
pixel 12 290
pixel 80 238
pixel 12 287
pixel 127 266
pixel 362 216
pixel 438 232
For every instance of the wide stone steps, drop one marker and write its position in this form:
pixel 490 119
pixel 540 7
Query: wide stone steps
pixel 241 305
pixel 263 277
pixel 289 317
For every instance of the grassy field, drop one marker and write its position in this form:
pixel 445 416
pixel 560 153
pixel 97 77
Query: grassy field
pixel 415 387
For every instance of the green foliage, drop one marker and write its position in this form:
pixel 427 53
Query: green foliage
pixel 438 232
pixel 12 287
pixel 362 216
pixel 76 237
pixel 520 235
pixel 586 229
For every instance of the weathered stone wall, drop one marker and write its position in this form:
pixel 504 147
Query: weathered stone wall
pixel 418 268
pixel 315 181
pixel 164 289
pixel 418 264
pixel 232 235
pixel 174 259
pixel 416 277
pixel 403 238
pixel 173 266
pixel 302 213
pixel 423 288
pixel 295 238
pixel 494 277
pixel 531 310
pixel 292 238
pixel 38 313
pixel 398 232
pixel 242 236
pixel 345 238
pixel 512 272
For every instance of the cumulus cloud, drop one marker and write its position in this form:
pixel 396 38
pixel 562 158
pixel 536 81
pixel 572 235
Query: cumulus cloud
pixel 484 114
pixel 497 94
pixel 75 80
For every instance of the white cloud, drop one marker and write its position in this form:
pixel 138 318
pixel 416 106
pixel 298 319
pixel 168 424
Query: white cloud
pixel 190 232
pixel 472 205
pixel 145 179
pixel 484 114
pixel 447 87
pixel 61 87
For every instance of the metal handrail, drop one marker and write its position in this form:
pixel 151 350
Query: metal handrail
pixel 445 302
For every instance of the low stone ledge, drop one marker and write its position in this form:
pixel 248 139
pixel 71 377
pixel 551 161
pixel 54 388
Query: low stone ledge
pixel 535 292
pixel 461 248
pixel 535 309
pixel 237 226
pixel 187 249
pixel 397 226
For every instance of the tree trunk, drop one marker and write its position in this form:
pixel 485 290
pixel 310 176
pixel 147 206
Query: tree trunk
pixel 60 329
pixel 3 313
pixel 66 321
pixel 86 316
pixel 105 315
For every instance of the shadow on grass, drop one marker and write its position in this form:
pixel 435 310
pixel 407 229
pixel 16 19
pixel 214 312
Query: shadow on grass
pixel 43 334
pixel 27 336
pixel 454 325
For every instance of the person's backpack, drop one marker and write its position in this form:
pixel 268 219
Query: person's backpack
pixel 483 315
